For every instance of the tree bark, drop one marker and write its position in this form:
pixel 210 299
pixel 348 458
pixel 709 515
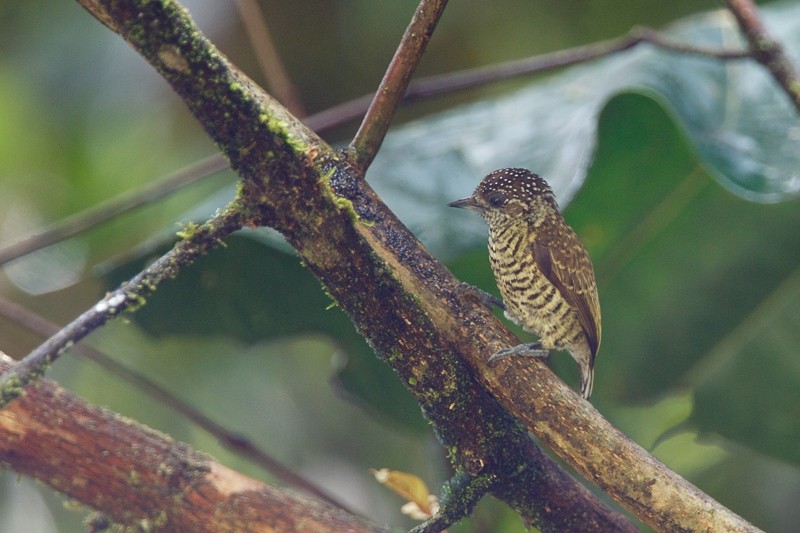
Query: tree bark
pixel 139 477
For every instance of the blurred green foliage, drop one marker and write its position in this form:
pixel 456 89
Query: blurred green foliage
pixel 699 287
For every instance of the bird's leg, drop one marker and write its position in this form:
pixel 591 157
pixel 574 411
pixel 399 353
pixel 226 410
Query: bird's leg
pixel 533 349
pixel 489 300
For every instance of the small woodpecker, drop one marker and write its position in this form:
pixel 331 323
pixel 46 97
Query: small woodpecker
pixel 542 270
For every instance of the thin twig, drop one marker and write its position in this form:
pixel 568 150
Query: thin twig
pixel 466 79
pixel 268 58
pixel 132 294
pixel 436 85
pixel 370 135
pixel 229 439
pixel 85 220
pixel 767 50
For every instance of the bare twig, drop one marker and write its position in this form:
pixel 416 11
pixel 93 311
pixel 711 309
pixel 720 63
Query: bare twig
pixel 767 50
pixel 85 220
pixel 436 85
pixel 370 135
pixel 132 294
pixel 447 83
pixel 268 58
pixel 235 442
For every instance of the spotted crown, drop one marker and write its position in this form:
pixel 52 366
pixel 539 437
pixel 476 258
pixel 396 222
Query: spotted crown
pixel 514 183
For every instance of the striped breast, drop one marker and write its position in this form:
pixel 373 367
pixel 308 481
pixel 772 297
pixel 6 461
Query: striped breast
pixel 531 300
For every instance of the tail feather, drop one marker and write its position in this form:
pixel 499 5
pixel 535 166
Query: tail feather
pixel 585 359
pixel 587 381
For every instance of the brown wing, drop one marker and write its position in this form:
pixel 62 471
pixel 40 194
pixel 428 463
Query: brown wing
pixel 561 257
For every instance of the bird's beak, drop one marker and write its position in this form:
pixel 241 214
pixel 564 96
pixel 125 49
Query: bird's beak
pixel 466 203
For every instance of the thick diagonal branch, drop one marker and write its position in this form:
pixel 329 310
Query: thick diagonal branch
pixel 293 181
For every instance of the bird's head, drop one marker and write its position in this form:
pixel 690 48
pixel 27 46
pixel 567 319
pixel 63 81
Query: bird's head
pixel 509 194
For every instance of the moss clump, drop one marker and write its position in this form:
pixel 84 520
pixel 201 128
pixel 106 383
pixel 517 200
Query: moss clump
pixel 188 231
pixel 136 301
pixel 10 389
pixel 341 203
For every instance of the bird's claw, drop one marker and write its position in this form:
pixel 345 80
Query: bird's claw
pixel 488 300
pixel 533 349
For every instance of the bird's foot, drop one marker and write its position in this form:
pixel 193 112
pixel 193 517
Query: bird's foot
pixel 533 349
pixel 489 300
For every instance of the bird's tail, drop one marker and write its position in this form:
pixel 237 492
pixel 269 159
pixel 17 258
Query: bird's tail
pixel 583 356
pixel 587 381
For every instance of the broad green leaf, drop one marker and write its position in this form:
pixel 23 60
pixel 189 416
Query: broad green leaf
pixel 736 119
pixel 698 290
pixel 696 285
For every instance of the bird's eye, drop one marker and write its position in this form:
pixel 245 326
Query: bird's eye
pixel 496 199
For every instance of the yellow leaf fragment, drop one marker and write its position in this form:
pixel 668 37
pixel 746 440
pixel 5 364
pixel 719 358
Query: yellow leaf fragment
pixel 421 503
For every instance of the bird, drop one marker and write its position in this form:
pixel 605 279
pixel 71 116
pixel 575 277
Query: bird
pixel 542 269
